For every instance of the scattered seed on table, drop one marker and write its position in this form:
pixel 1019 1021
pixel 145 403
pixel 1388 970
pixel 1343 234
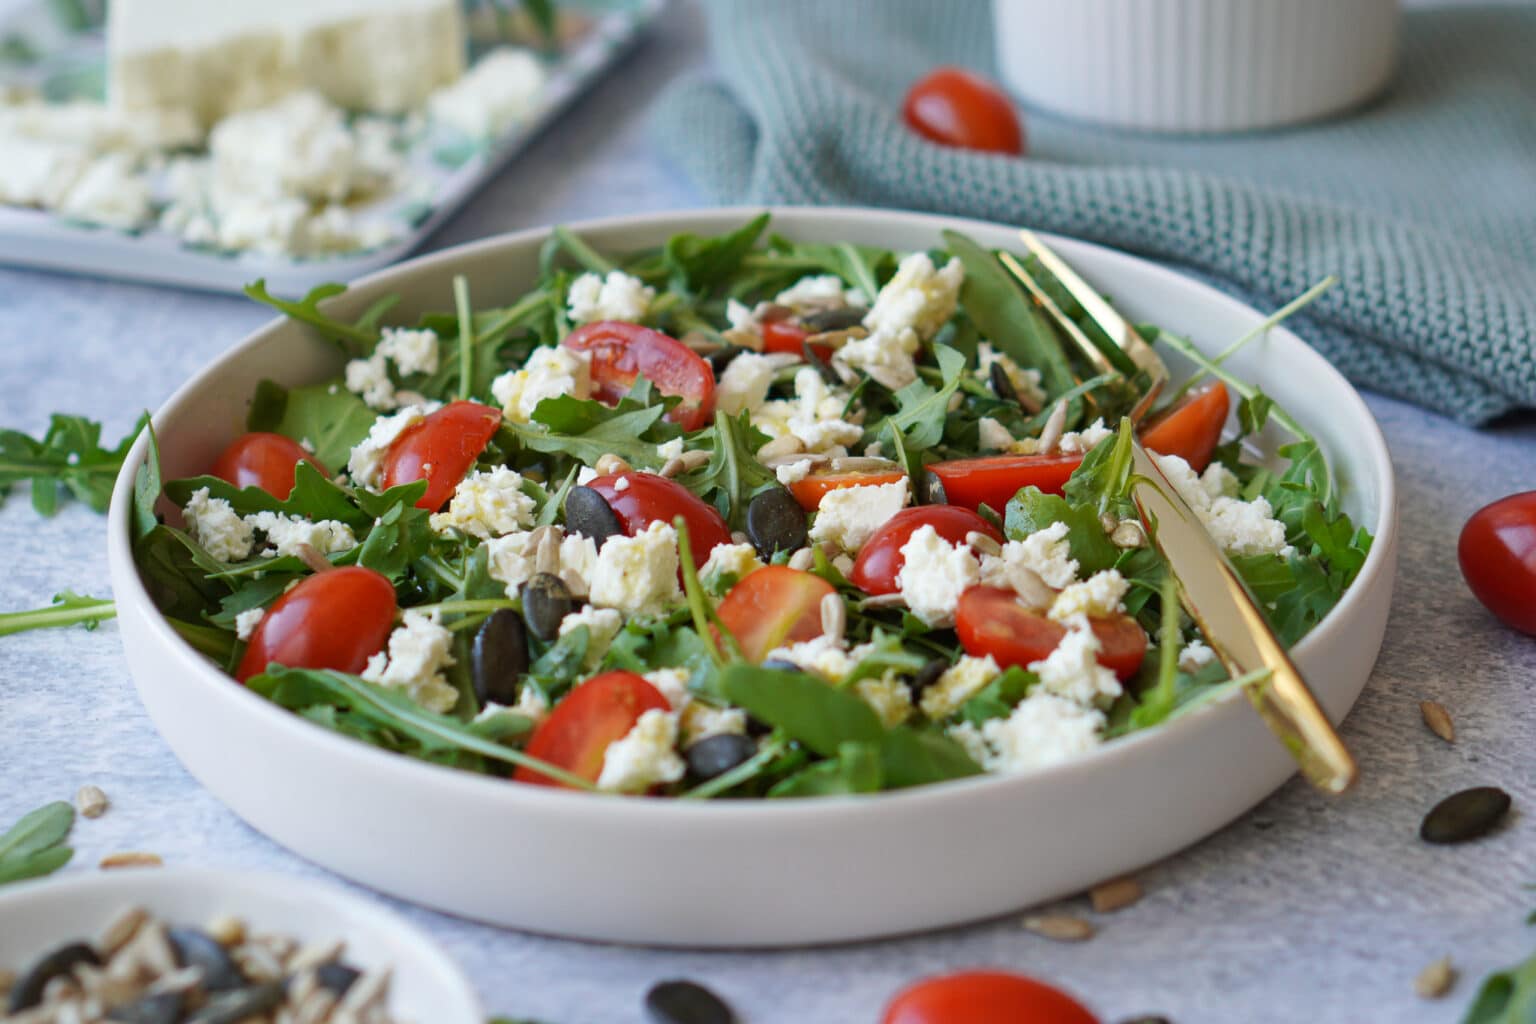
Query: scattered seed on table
pixel 1435 980
pixel 131 859
pixel 1116 894
pixel 1060 927
pixel 1467 815
pixel 1147 1020
pixel 91 801
pixel 1438 719
pixel 686 1002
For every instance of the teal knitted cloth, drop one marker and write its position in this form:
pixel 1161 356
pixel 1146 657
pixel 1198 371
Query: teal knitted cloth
pixel 1424 203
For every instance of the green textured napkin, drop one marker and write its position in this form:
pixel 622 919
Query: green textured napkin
pixel 1424 203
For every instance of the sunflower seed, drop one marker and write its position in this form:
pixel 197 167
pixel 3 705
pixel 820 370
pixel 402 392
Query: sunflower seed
pixel 1464 816
pixel 609 464
pixel 1116 894
pixel 121 929
pixel 834 617
pixel 91 801
pixel 1055 426
pixel 131 859
pixel 227 930
pixel 1438 719
pixel 1060 927
pixel 1435 980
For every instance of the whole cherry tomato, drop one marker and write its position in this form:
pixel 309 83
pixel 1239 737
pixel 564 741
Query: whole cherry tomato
pixel 990 620
pixel 879 561
pixel 810 489
pixel 1497 552
pixel 984 997
pixel 440 448
pixel 336 619
pixel 773 606
pixel 622 351
pixel 953 107
pixel 578 731
pixel 1191 429
pixel 647 498
pixel 263 460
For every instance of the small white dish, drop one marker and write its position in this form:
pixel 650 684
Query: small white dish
pixel 745 873
pixel 426 987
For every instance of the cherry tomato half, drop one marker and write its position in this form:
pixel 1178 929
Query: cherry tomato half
pixel 773 606
pixel 648 498
pixel 879 561
pixel 335 619
pixel 993 480
pixel 990 620
pixel 440 448
pixel 984 997
pixel 1191 429
pixel 810 489
pixel 1497 552
pixel 263 460
pixel 783 336
pixel 577 732
pixel 953 107
pixel 621 352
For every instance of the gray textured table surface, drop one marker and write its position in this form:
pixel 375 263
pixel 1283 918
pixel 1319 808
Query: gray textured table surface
pixel 1305 909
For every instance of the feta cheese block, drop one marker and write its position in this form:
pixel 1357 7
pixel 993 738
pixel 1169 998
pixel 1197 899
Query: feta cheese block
pixel 209 59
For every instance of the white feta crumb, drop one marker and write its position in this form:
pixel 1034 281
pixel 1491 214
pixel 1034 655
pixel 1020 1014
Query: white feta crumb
pixel 638 574
pixel 992 435
pixel 919 297
pixel 888 696
pixel 745 382
pixel 817 415
pixel 1045 552
pixel 109 193
pixel 418 651
pixel 1026 382
pixel 887 356
pixel 214 525
pixel 585 475
pixel 412 351
pixel 1043 730
pixel 959 683
pixel 366 463
pixel 701 721
pixel 934 573
pixel 1097 596
pixel 369 379
pixel 645 757
pixel 603 624
pixel 1238 527
pixel 793 472
pixel 503 88
pixel 621 484
pixel 849 516
pixel 615 297
pixel 487 503
pixel 1073 671
pixel 671 683
pixel 741 317
pixel 823 656
pixel 728 563
pixel 672 449
pixel 1195 656
pixel 550 371
pixel 286 535
pixel 816 292
pixel 1075 441
pixel 247 621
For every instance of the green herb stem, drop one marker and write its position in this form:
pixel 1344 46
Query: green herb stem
pixel 1186 348
pixel 67 610
pixel 466 335
pixel 583 253
pixel 698 603
pixel 728 780
pixel 1297 304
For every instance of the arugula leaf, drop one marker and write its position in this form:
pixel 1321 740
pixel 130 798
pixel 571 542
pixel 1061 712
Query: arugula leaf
pixel 327 419
pixel 588 430
pixel 856 769
pixel 353 339
pixel 1032 509
pixel 68 455
pixel 146 487
pixel 34 846
pixel 917 757
pixel 922 410
pixel 696 264
pixel 999 697
pixel 401 534
pixel 177 573
pixel 732 475
pixel 67 609
pixel 1506 997
pixel 860 265
pixel 1103 479
pixel 821 716
pixel 314 497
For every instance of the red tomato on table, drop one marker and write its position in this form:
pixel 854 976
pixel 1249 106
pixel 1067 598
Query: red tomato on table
pixel 578 731
pixel 954 107
pixel 1497 551
pixel 440 448
pixel 984 997
pixel 264 460
pixel 622 352
pixel 336 619
pixel 648 498
pixel 880 560
pixel 773 606
pixel 990 620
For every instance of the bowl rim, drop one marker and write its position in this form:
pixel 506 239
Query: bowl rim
pixel 682 813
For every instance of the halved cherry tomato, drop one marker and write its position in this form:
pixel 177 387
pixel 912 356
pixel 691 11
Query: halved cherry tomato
pixel 994 479
pixel 809 490
pixel 990 620
pixel 440 448
pixel 874 571
pixel 773 606
pixel 596 713
pixel 263 460
pixel 956 108
pixel 623 351
pixel 1192 428
pixel 335 619
pixel 1497 552
pixel 984 997
pixel 783 336
pixel 648 498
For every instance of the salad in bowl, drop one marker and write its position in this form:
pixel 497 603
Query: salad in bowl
pixel 732 517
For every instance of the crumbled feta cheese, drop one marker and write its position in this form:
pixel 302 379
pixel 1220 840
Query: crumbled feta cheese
pixel 793 472
pixel 1043 730
pixel 502 88
pixel 888 357
pixel 822 291
pixel 616 297
pixel 672 449
pixel 585 475
pixel 638 574
pixel 110 193
pixel 740 316
pixel 849 516
pixel 487 503
pixel 918 298
pixel 701 721
pixel 959 683
pixel 934 573
pixel 550 371
pixel 1195 656
pixel 822 656
pixel 412 351
pixel 728 563
pixel 745 382
pixel 888 696
pixel 1045 552
pixel 603 624
pixel 214 524
pixel 1097 596
pixel 1074 441
pixel 578 557
pixel 286 535
pixel 1073 671
pixel 369 379
pixel 645 757
pixel 1238 527
pixel 366 463
pixel 298 147
pixel 37 172
pixel 247 621
pixel 1026 382
pixel 532 703
pixel 671 683
pixel 1219 482
pixel 992 435
pixel 621 484
pixel 512 561
pixel 419 649
pixel 816 415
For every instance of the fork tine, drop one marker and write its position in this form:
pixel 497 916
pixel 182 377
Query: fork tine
pixel 1100 361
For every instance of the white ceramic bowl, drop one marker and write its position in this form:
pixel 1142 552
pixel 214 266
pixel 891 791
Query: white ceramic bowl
pixel 426 986
pixel 751 872
pixel 1196 65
